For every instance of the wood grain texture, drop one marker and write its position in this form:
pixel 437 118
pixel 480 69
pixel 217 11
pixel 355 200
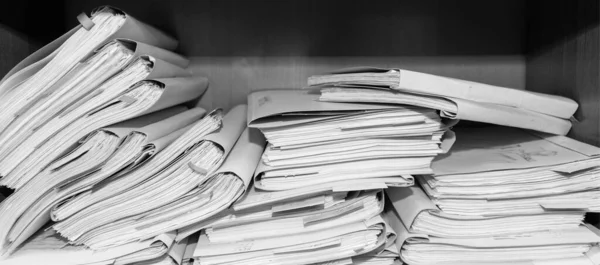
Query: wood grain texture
pixel 244 45
pixel 563 58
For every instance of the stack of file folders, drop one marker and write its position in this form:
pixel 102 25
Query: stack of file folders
pixel 104 160
pixel 503 196
pixel 454 98
pixel 327 226
pixel 317 195
pixel 317 143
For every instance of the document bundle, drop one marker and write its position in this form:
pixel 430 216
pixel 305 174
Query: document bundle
pixel 322 228
pixel 456 99
pixel 313 142
pixel 89 110
pixel 502 196
pixel 48 248
pixel 174 189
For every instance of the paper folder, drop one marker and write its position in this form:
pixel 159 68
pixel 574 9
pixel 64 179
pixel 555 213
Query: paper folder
pixel 143 97
pixel 48 248
pixel 241 162
pixel 77 169
pixel 325 237
pixel 415 82
pixel 82 85
pixel 422 216
pixel 505 163
pixel 144 205
pixel 143 67
pixel 129 28
pixel 418 248
pixel 166 158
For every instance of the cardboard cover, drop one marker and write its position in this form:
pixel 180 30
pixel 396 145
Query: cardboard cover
pixel 504 148
pixel 270 103
pixel 140 31
pixel 124 128
pixel 164 141
pixel 256 197
pixel 508 116
pixel 245 155
pixel 467 90
pixel 178 90
pixel 141 49
pixel 409 202
pixel 167 126
pixel 233 125
pixel 178 250
pixel 131 29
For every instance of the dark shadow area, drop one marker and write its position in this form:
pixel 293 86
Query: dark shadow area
pixel 4 191
pixel 552 22
pixel 40 21
pixel 331 28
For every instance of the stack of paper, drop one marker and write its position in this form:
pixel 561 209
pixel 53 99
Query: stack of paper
pixel 318 229
pixel 502 195
pixel 70 79
pixel 46 247
pixel 174 189
pixel 312 142
pixel 456 99
pixel 83 112
pixel 499 170
pixel 95 158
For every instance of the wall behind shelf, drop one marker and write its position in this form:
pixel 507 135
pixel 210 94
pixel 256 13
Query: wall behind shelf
pixel 243 45
pixel 563 39
pixel 25 26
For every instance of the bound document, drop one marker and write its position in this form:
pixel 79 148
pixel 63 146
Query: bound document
pixel 496 170
pixel 455 99
pixel 432 85
pixel 422 216
pixel 527 248
pixel 87 162
pixel 40 70
pixel 142 98
pixel 312 142
pixel 305 231
pixel 149 207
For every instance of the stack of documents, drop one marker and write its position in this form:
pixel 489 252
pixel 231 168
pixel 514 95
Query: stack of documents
pixel 174 189
pixel 82 73
pixel 46 247
pixel 319 228
pixel 500 170
pixel 312 142
pixel 89 111
pixel 95 158
pixel 456 99
pixel 502 195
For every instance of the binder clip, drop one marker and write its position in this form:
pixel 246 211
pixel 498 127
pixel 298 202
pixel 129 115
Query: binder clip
pixel 85 21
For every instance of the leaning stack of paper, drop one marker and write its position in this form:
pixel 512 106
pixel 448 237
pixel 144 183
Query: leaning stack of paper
pixel 174 189
pixel 500 170
pixel 313 142
pixel 456 99
pixel 319 228
pixel 96 157
pixel 503 195
pixel 46 247
pixel 84 110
